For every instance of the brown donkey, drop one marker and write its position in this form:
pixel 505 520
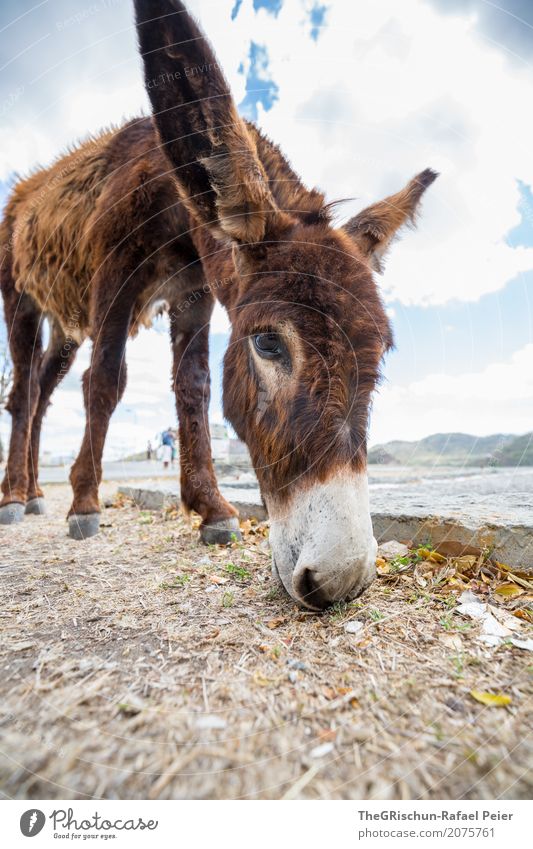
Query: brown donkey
pixel 177 210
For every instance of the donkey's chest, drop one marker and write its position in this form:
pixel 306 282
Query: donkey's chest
pixel 175 285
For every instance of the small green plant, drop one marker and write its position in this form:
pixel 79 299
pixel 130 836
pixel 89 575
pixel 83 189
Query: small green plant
pixel 439 733
pixel 338 610
pixel 450 624
pixel 176 583
pixel 397 563
pixel 458 662
pixel 228 599
pixel 238 572
pixel 376 615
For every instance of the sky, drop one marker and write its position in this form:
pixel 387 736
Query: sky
pixel 360 97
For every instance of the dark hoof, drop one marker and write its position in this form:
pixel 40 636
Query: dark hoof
pixel 11 513
pixel 36 506
pixel 221 533
pixel 82 526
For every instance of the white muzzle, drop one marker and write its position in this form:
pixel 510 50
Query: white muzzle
pixel 323 547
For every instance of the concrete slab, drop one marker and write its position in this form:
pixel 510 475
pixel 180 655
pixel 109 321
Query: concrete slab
pixel 489 508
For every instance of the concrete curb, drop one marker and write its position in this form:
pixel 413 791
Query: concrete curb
pixel 512 543
pixel 159 499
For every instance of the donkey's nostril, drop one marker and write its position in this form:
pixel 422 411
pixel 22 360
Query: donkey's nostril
pixel 308 590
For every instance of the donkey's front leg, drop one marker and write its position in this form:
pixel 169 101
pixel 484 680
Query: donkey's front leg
pixel 103 386
pixel 59 357
pixel 199 488
pixel 23 321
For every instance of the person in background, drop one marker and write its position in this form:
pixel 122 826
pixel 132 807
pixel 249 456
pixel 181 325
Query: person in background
pixel 167 442
pixel 174 446
pixel 149 451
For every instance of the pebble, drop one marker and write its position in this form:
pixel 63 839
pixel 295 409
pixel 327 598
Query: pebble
pixel 321 751
pixel 204 561
pixel 210 722
pixel 391 549
pixel 353 627
pixel 296 664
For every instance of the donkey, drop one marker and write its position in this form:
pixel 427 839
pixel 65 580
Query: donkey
pixel 176 210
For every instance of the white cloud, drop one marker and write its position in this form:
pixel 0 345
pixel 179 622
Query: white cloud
pixel 497 399
pixel 380 97
pixel 219 320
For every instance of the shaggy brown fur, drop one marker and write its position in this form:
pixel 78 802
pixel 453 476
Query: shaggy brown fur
pixel 191 205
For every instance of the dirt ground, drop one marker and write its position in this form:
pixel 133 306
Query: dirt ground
pixel 141 664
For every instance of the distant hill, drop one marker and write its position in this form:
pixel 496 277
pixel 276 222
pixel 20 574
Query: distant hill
pixel 519 452
pixel 457 449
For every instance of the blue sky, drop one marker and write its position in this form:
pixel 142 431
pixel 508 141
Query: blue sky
pixel 360 98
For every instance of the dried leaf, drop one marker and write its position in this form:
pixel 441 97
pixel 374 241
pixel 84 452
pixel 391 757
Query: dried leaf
pixel 453 641
pixel 522 578
pixel 467 560
pixel 527 645
pixel 275 623
pixel 523 614
pixel 435 557
pixel 263 680
pixel 327 734
pixel 218 579
pixel 509 590
pixel 504 618
pixel 490 699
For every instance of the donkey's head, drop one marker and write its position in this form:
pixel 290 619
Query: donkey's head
pixel 308 325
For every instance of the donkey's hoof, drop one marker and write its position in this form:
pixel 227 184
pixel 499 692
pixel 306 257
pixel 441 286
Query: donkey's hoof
pixel 11 513
pixel 83 525
pixel 220 533
pixel 36 506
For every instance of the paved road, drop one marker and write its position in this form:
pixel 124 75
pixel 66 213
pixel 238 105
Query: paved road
pixel 120 471
pixel 474 480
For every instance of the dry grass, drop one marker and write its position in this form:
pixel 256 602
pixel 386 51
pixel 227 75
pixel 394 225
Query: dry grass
pixel 139 664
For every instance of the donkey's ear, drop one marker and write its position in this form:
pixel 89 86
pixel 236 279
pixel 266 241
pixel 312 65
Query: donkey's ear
pixel 374 228
pixel 218 172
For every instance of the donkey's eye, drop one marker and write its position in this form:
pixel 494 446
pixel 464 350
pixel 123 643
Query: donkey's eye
pixel 268 345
